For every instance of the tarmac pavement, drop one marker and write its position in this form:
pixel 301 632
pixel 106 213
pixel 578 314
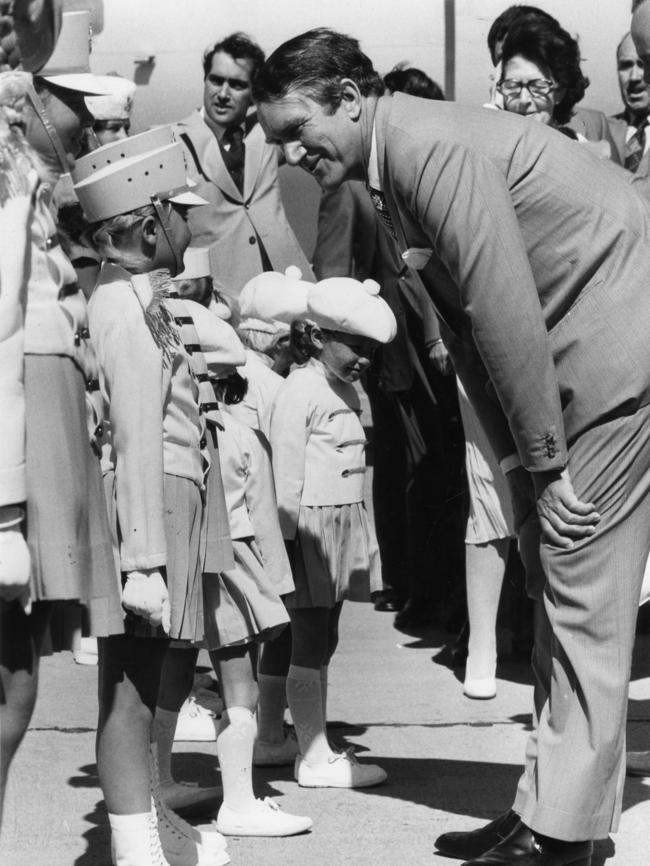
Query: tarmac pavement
pixel 452 763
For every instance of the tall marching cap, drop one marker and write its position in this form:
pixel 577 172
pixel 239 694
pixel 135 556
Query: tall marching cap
pixel 219 343
pixel 124 148
pixel 272 296
pixel 69 65
pixel 351 307
pixel 136 181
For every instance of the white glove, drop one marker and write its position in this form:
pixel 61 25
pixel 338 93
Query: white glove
pixel 145 593
pixel 15 562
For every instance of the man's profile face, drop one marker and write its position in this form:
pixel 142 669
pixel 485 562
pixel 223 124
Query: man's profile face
pixel 323 141
pixel 641 36
pixel 634 91
pixel 227 90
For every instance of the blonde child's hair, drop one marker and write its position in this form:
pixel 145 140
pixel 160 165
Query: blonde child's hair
pixel 112 236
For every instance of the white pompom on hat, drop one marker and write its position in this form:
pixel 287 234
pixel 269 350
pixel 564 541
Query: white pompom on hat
pixel 219 343
pixel 351 307
pixel 272 296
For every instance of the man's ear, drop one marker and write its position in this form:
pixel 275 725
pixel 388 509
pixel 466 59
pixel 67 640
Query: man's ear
pixel 150 230
pixel 351 98
pixel 316 336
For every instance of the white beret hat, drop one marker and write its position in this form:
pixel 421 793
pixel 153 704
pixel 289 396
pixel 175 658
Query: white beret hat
pixel 347 305
pixel 274 296
pixel 117 103
pixel 219 342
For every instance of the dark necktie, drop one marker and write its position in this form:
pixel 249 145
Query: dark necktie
pixel 234 156
pixel 634 148
pixel 379 201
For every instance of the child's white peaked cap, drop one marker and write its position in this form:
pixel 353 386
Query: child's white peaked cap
pixel 118 102
pixel 347 305
pixel 218 340
pixel 272 296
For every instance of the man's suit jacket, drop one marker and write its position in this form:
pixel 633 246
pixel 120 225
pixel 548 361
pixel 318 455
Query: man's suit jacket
pixel 540 266
pixel 618 133
pixel 594 126
pixel 233 223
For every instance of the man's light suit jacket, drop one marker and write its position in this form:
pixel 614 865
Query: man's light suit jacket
pixel 539 266
pixel 231 224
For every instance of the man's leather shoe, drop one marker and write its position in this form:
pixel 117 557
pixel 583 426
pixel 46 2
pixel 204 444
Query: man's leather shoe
pixel 637 763
pixel 525 848
pixel 473 843
pixel 385 601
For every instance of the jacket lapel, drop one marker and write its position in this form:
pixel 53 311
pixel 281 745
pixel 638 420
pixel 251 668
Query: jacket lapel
pixel 206 150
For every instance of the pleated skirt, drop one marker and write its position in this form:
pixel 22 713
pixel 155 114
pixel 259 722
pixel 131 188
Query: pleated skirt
pixel 68 530
pixel 183 516
pixel 336 556
pixel 240 604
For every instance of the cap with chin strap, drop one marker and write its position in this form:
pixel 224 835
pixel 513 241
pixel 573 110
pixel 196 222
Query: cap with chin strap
pixel 120 185
pixel 68 68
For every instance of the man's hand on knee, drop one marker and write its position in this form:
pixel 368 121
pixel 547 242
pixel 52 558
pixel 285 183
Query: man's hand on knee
pixel 563 517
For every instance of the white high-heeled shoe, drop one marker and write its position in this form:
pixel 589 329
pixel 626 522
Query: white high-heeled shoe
pixel 480 688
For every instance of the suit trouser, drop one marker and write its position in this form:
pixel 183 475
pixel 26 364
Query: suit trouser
pixel 587 603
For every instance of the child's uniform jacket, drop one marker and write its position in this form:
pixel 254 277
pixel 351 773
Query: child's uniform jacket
pixel 318 444
pixel 152 394
pixel 250 497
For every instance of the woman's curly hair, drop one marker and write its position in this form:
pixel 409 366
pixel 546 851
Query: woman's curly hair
pixel 551 48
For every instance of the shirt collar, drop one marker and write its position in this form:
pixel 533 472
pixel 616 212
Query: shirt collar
pixel 374 181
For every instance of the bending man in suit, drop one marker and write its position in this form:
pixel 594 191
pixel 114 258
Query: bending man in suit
pixel 535 254
pixel 244 225
pixel 629 128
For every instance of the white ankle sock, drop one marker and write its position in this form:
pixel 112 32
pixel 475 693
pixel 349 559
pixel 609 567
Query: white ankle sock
pixel 270 708
pixel 135 841
pixel 164 728
pixel 306 705
pixel 235 740
pixel 323 692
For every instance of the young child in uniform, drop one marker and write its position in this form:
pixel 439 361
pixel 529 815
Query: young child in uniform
pixel 318 447
pixel 155 477
pixel 242 604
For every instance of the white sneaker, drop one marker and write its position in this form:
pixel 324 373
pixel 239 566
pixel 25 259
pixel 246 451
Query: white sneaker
pixel 282 754
pixel 265 818
pixel 195 723
pixel 340 771
pixel 86 653
pixel 481 689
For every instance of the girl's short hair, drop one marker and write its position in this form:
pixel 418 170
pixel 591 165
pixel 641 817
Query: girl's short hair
pixel 231 389
pixel 550 47
pixel 111 237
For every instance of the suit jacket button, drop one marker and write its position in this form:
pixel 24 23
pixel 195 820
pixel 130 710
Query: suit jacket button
pixel 203 443
pixel 252 240
pixel 99 431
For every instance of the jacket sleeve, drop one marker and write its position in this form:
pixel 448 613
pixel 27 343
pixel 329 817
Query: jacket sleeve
pixel 289 420
pixel 15 216
pixel 131 367
pixel 263 512
pixel 462 202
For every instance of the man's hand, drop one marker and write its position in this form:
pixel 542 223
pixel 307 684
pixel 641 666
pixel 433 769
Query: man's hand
pixel 145 594
pixel 439 358
pixel 563 517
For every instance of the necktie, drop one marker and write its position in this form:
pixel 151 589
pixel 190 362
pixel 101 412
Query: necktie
pixel 379 201
pixel 634 148
pixel 234 156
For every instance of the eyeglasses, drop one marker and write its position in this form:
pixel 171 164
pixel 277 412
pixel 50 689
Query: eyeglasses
pixel 540 88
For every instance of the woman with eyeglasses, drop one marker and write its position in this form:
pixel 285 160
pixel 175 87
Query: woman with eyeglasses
pixel 541 76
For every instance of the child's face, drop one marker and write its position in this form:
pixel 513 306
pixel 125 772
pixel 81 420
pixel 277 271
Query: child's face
pixel 347 356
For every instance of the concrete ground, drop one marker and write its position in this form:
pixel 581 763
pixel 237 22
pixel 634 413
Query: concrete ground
pixel 452 763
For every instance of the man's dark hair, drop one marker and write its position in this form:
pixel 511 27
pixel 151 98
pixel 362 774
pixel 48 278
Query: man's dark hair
pixel 413 81
pixel 551 48
pixel 503 22
pixel 240 47
pixel 316 62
